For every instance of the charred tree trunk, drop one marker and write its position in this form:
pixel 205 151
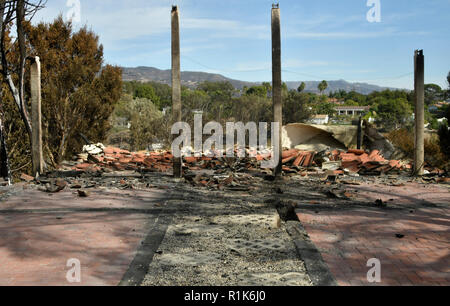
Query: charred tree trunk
pixel 6 16
pixel 5 170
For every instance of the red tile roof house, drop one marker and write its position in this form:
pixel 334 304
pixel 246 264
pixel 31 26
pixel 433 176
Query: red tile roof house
pixel 335 101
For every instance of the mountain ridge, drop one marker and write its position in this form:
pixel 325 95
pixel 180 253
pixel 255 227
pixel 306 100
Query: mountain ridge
pixel 193 78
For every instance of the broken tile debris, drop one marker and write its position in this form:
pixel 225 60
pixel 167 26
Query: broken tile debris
pixel 126 170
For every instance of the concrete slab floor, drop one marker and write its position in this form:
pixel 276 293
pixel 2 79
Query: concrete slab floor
pixel 410 237
pixel 40 232
pixel 227 237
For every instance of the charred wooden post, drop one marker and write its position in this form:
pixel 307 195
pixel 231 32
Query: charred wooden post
pixel 419 93
pixel 276 83
pixel 36 117
pixel 360 134
pixel 176 82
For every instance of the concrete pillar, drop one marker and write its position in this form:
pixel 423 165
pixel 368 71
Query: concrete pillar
pixel 176 82
pixel 36 118
pixel 276 80
pixel 419 90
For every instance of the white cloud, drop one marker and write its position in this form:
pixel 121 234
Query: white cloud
pixel 130 21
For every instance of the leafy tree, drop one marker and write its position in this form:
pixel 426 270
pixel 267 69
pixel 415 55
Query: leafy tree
pixel 122 109
pixel 433 94
pixel 146 121
pixel 325 108
pixel 78 94
pixel 351 103
pixel 146 91
pixel 267 86
pixel 160 94
pixel 260 91
pixel 360 99
pixel 341 94
pixel 220 94
pixel 164 93
pixel 375 102
pixel 302 87
pixel 196 100
pixel 434 124
pixel 322 86
pixel 393 113
pixel 296 108
pixel 217 89
pixel 261 109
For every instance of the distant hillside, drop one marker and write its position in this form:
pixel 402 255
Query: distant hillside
pixel 188 78
pixel 363 88
pixel 192 79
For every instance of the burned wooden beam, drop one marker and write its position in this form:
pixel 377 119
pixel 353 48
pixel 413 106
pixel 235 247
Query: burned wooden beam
pixel 419 94
pixel 36 117
pixel 176 82
pixel 276 83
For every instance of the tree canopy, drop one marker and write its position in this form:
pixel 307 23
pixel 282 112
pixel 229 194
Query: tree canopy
pixel 302 87
pixel 79 93
pixel 322 86
pixel 392 113
pixel 433 94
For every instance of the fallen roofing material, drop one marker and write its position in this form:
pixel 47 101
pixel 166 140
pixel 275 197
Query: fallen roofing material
pixel 115 159
pixel 298 158
pixel 362 162
pixel 235 173
pixel 319 137
pixel 294 160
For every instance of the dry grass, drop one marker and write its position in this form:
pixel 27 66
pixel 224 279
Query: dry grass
pixel 403 139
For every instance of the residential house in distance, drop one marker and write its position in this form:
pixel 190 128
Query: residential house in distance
pixel 335 101
pixel 320 119
pixel 353 111
pixel 436 107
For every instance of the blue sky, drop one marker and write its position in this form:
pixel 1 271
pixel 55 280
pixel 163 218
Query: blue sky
pixel 321 39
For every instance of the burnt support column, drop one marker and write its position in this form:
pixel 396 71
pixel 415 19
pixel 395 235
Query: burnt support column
pixel 360 134
pixel 36 117
pixel 419 93
pixel 276 82
pixel 176 82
